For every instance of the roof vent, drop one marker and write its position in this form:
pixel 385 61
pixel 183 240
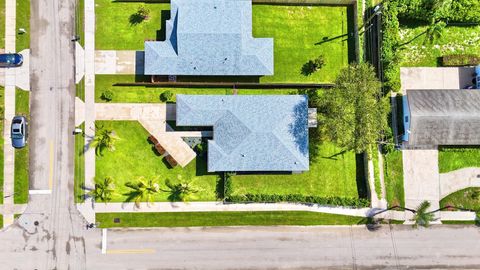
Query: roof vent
pixel 243 155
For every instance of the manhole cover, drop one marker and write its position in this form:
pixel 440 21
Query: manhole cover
pixel 35 223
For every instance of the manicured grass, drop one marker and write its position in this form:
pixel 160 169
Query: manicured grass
pixel 376 174
pixel 460 222
pixel 2 110
pixel 80 90
pixel 142 94
pixel 134 157
pixel 80 21
pixel 22 107
pixel 2 23
pixel 79 176
pixel 114 30
pixel 455 40
pixel 195 219
pixel 332 174
pixel 393 169
pixel 468 198
pixel 23 21
pixel 451 159
pixel 298 33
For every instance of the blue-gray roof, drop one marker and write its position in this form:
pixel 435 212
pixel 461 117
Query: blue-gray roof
pixel 209 37
pixel 250 133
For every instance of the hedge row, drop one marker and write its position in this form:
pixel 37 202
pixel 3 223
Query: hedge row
pixel 465 11
pixel 390 41
pixel 458 60
pixel 298 198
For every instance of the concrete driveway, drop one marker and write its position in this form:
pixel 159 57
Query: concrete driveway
pixel 119 62
pixel 435 78
pixel 421 177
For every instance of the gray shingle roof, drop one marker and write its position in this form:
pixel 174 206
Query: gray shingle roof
pixel 209 37
pixel 251 133
pixel 444 117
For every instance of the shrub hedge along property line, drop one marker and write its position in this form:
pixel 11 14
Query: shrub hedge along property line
pixel 298 198
pixel 459 60
pixel 390 42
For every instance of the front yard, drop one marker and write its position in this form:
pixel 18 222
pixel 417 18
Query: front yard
pixel 451 159
pixel 301 33
pixel 135 157
pixel 468 198
pixel 21 186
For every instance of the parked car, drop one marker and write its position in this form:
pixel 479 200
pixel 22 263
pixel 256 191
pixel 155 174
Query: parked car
pixel 19 131
pixel 477 76
pixel 11 60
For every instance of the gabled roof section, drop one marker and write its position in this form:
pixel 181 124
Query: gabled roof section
pixel 210 37
pixel 444 117
pixel 251 133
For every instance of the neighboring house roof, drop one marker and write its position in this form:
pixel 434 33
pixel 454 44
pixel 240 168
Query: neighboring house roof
pixel 250 133
pixel 444 117
pixel 209 37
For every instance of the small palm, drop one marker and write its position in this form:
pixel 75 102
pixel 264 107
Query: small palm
pixel 142 191
pixel 104 139
pixel 104 189
pixel 422 216
pixel 179 192
pixel 434 32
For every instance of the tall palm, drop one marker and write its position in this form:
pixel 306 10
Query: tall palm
pixel 104 139
pixel 142 190
pixel 422 216
pixel 434 31
pixel 104 189
pixel 179 192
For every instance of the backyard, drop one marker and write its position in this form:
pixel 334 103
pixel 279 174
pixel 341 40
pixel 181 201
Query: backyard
pixel 301 33
pixel 454 40
pixel 450 159
pixel 135 157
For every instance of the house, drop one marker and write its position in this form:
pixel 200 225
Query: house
pixel 210 37
pixel 441 117
pixel 251 133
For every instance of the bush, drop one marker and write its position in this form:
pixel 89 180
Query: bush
pixel 166 96
pixel 465 11
pixel 459 60
pixel 107 95
pixel 390 43
pixel 299 198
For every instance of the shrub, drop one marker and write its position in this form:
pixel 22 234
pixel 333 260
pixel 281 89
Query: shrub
pixel 458 60
pixel 143 12
pixel 390 43
pixel 465 11
pixel 107 95
pixel 166 96
pixel 299 198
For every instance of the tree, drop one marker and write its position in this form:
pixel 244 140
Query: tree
pixel 179 192
pixel 354 113
pixel 313 65
pixel 166 96
pixel 142 191
pixel 422 217
pixel 319 62
pixel 104 189
pixel 104 139
pixel 143 12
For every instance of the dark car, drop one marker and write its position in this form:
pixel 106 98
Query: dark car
pixel 19 131
pixel 11 60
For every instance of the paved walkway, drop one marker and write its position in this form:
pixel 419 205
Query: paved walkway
pixel 119 62
pixel 458 180
pixel 421 178
pixel 435 78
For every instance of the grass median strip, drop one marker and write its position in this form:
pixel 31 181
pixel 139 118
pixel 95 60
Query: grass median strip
pixel 202 219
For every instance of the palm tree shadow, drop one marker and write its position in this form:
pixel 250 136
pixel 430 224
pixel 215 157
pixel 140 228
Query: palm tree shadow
pixel 135 19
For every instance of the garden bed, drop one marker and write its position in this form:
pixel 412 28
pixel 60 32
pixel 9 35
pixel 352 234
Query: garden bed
pixel 135 157
pixel 244 218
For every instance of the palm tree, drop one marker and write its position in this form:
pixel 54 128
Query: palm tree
pixel 104 189
pixel 422 217
pixel 104 139
pixel 179 192
pixel 142 191
pixel 434 31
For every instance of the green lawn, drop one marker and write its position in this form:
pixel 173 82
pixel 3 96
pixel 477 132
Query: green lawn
pixel 393 170
pixel 333 174
pixel 195 219
pixel 450 159
pixel 2 23
pixel 455 40
pixel 2 110
pixel 22 107
pixel 23 21
pixel 114 30
pixel 376 173
pixel 80 22
pixel 296 31
pixel 134 157
pixel 80 89
pixel 142 94
pixel 468 198
pixel 79 176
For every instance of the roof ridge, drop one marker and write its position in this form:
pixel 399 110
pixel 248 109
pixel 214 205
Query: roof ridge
pixel 227 111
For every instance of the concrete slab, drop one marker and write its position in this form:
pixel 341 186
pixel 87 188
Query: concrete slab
pixel 421 178
pixel 436 78
pixel 119 62
pixel 79 62
pixel 459 179
pixel 79 111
